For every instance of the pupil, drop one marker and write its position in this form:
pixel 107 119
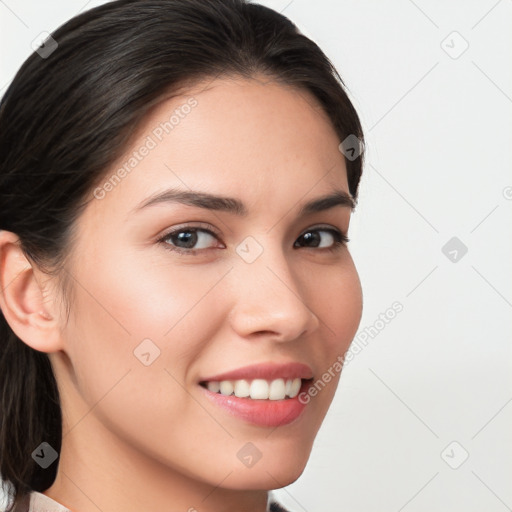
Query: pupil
pixel 188 237
pixel 311 236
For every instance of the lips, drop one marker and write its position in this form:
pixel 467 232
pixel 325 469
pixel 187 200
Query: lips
pixel 263 394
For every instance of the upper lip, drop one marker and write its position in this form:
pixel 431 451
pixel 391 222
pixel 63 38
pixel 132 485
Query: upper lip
pixel 267 371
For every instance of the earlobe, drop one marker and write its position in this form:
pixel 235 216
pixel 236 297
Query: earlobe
pixel 22 298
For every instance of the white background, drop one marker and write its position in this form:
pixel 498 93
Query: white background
pixel 439 135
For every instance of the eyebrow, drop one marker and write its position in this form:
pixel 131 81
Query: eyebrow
pixel 237 207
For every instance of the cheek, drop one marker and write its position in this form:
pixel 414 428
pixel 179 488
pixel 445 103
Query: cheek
pixel 153 293
pixel 340 305
pixel 143 404
pixel 336 298
pixel 130 306
pixel 140 296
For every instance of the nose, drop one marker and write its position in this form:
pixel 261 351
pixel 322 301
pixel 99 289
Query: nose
pixel 270 299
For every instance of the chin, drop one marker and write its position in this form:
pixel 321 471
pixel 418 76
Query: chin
pixel 270 474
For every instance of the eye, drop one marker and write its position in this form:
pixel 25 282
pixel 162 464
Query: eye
pixel 188 240
pixel 335 239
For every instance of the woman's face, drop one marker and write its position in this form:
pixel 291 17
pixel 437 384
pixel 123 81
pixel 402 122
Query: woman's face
pixel 264 294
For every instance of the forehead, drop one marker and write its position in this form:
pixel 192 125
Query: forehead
pixel 248 137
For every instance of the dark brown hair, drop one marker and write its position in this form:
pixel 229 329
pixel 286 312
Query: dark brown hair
pixel 69 115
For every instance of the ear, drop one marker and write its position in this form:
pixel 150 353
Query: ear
pixel 26 304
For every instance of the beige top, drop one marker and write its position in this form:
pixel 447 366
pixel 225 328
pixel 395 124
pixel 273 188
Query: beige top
pixel 41 503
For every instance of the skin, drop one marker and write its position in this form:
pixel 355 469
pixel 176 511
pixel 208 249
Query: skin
pixel 142 437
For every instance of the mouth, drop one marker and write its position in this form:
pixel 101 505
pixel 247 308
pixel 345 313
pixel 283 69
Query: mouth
pixel 264 395
pixel 257 389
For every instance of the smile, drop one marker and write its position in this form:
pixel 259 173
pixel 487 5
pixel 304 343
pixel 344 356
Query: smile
pixel 264 394
pixel 257 389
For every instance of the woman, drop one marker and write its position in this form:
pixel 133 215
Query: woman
pixel 176 179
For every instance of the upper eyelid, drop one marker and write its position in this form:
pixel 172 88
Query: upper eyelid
pixel 185 227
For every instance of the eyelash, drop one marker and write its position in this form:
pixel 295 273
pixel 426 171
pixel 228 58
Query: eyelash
pixel 340 239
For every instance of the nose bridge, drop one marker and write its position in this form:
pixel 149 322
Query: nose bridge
pixel 268 296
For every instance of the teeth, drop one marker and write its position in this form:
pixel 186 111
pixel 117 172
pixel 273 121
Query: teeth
pixel 242 388
pixel 213 386
pixel 226 387
pixel 295 387
pixel 258 389
pixel 277 390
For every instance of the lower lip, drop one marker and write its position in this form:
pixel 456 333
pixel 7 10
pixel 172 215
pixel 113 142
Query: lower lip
pixel 265 413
